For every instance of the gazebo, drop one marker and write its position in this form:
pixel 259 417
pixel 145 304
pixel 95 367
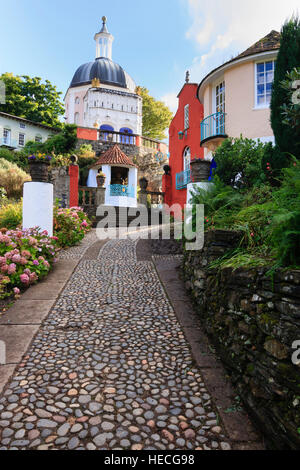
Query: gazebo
pixel 121 178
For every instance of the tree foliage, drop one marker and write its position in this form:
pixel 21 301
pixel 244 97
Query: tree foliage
pixel 62 143
pixel 156 116
pixel 32 99
pixel 288 58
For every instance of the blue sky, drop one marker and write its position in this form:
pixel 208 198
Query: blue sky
pixel 155 42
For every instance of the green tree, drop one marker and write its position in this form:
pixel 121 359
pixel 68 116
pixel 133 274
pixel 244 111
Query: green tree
pixel 156 116
pixel 61 143
pixel 288 58
pixel 31 99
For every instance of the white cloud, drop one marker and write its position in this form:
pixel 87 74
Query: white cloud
pixel 171 100
pixel 221 29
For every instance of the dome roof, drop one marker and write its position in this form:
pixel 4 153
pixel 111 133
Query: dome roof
pixel 106 71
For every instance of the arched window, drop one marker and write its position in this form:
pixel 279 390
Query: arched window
pixel 76 118
pixel 126 139
pixel 186 158
pixel 77 100
pixel 105 132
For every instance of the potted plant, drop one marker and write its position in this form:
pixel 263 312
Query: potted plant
pixel 100 179
pixel 38 167
pixel 200 169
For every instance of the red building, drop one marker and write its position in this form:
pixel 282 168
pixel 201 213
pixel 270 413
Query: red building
pixel 184 144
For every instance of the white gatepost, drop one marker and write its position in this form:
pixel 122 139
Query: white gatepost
pixel 38 206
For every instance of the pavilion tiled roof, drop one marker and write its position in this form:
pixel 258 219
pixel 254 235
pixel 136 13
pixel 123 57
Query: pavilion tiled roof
pixel 114 156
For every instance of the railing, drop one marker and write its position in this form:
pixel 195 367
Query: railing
pixel 117 137
pixel 183 179
pixel 213 126
pixel 8 142
pixel 119 190
pixel 87 196
pixel 150 143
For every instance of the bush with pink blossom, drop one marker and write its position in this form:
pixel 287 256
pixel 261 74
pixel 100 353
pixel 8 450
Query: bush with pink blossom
pixel 26 256
pixel 70 225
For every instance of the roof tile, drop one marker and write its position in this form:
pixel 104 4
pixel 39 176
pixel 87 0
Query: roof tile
pixel 114 156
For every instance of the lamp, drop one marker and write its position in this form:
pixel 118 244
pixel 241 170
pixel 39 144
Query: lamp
pixel 180 135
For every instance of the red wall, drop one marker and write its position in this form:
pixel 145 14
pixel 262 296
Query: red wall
pixel 176 147
pixel 87 133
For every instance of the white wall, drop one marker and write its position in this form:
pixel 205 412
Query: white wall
pixel 90 108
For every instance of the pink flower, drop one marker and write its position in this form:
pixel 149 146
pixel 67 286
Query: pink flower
pixel 24 279
pixel 8 255
pixel 27 271
pixel 84 223
pixel 32 241
pixel 35 262
pixel 2 260
pixel 16 258
pixel 11 268
pixel 25 253
pixel 16 290
pixel 23 261
pixel 4 268
pixel 46 264
pixel 33 277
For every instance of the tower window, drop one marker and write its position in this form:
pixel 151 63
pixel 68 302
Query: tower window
pixel 77 100
pixel 76 118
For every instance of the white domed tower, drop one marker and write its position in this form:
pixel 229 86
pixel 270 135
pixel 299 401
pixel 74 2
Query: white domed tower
pixel 102 95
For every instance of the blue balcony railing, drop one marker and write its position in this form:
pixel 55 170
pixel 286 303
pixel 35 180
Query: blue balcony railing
pixel 183 179
pixel 213 126
pixel 4 142
pixel 119 190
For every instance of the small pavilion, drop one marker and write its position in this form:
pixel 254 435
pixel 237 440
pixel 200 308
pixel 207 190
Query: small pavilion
pixel 121 178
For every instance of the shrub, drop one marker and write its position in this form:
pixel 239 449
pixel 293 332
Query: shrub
pixel 25 257
pixel 239 162
pixel 70 225
pixel 12 178
pixel 284 230
pixel 11 215
pixel 272 162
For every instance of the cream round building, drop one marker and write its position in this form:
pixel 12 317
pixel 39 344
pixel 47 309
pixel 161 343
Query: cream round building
pixel 102 94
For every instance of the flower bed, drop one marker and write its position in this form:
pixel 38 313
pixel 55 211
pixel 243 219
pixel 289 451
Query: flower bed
pixel 70 225
pixel 26 256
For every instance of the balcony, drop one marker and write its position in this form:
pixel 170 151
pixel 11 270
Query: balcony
pixel 9 143
pixel 213 128
pixel 183 179
pixel 120 190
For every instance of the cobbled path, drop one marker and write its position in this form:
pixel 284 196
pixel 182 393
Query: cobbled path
pixel 110 368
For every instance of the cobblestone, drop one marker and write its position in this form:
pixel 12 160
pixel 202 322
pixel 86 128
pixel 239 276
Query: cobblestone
pixel 110 367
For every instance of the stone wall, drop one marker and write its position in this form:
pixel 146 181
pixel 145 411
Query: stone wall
pixel 253 320
pixel 59 177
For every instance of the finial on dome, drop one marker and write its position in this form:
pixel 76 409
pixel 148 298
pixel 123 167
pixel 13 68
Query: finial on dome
pixel 104 19
pixel 187 77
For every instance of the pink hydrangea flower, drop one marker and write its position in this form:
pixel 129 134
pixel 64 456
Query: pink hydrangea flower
pixel 35 262
pixel 16 290
pixel 16 258
pixel 24 278
pixel 23 261
pixel 33 277
pixel 11 269
pixel 4 268
pixel 25 253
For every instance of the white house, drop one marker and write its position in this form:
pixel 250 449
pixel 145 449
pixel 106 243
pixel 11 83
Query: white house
pixel 16 131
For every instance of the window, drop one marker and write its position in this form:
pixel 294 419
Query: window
pixel 22 125
pixel 186 116
pixel 21 140
pixel 186 158
pixel 76 118
pixel 220 98
pixel 77 100
pixel 263 83
pixel 38 138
